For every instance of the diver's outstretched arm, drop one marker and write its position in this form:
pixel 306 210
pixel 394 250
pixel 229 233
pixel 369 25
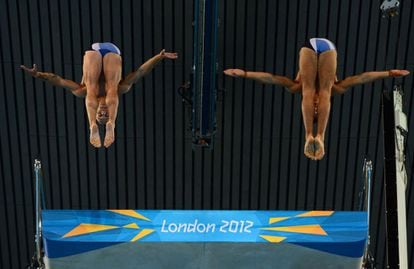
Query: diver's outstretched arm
pixel 341 87
pixel 75 88
pixel 267 78
pixel 126 84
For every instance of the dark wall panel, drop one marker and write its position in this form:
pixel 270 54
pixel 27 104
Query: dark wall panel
pixel 257 161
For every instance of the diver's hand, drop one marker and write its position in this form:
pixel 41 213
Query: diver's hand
pixel 31 71
pixel 235 73
pixel 168 55
pixel 398 73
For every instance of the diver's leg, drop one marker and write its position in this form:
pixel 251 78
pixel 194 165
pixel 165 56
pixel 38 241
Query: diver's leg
pixel 308 69
pixel 327 73
pixel 92 67
pixel 112 65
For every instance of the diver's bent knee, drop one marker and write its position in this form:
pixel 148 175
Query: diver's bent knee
pixel 110 56
pixel 307 51
pixel 92 57
pixel 92 54
pixel 328 53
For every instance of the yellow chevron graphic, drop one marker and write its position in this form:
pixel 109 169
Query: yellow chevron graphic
pixel 86 228
pixel 274 220
pixel 316 214
pixel 131 226
pixel 273 239
pixel 142 234
pixel 130 213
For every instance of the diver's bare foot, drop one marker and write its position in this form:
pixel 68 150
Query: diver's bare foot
pixel 309 149
pixel 319 148
pixel 94 138
pixel 110 134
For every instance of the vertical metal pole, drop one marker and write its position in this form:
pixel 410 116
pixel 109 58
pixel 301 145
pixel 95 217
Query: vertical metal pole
pixel 368 260
pixel 394 186
pixel 401 180
pixel 204 72
pixel 38 203
pixel 368 186
pixel 198 63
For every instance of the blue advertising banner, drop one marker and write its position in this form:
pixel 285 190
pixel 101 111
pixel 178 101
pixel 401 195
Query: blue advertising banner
pixel 342 233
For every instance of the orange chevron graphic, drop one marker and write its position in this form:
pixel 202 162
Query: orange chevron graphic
pixel 86 228
pixel 303 229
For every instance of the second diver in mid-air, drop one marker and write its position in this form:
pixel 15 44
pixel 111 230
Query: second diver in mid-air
pixel 316 81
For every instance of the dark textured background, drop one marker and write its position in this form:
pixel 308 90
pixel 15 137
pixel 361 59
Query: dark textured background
pixel 257 161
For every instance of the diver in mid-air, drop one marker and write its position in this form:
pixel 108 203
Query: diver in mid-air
pixel 316 80
pixel 101 85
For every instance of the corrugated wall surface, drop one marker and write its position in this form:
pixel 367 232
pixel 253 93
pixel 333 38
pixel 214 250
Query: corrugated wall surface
pixel 257 161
